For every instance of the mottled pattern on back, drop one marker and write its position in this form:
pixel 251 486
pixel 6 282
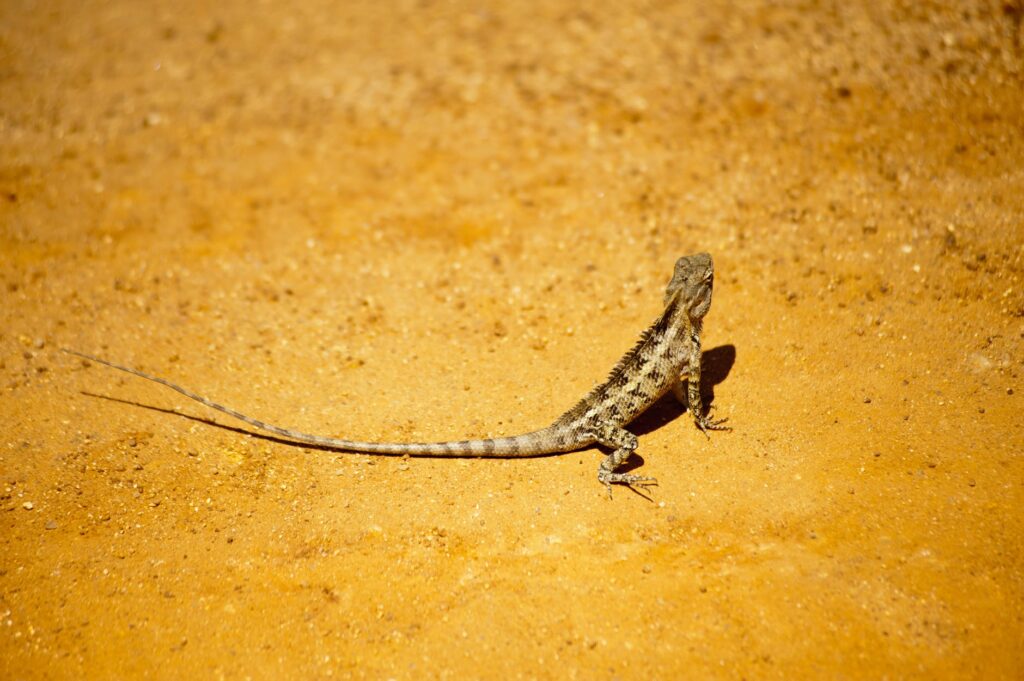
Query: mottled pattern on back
pixel 642 376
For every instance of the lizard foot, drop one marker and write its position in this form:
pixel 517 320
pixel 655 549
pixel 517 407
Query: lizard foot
pixel 706 423
pixel 608 479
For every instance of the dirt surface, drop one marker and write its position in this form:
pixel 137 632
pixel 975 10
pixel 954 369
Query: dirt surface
pixel 421 221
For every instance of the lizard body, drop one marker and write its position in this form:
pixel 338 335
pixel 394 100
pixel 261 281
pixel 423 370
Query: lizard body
pixel 667 352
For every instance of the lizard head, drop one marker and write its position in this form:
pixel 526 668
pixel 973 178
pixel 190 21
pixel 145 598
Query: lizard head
pixel 692 282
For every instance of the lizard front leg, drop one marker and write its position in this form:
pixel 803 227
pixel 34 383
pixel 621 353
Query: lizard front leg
pixel 623 444
pixel 692 400
pixel 685 400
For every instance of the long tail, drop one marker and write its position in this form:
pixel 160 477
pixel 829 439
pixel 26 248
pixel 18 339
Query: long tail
pixel 545 441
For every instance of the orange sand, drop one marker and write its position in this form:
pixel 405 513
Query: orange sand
pixel 417 221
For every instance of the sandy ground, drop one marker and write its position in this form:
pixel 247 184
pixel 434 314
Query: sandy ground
pixel 420 221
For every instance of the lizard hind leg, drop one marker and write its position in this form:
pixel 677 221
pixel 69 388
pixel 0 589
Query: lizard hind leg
pixel 622 443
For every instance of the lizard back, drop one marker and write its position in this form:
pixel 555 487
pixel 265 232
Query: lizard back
pixel 641 377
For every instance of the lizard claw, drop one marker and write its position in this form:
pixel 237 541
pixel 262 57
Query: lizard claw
pixel 628 480
pixel 705 423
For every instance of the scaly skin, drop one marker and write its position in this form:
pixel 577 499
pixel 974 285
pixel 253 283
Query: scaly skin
pixel 667 352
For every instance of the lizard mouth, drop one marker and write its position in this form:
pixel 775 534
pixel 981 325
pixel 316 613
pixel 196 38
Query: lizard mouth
pixel 701 302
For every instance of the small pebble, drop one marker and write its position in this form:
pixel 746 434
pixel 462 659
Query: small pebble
pixel 51 524
pixel 28 506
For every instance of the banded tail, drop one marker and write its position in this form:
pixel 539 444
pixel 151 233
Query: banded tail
pixel 550 440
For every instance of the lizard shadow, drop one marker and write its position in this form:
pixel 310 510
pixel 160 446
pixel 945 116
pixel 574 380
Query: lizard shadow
pixel 211 422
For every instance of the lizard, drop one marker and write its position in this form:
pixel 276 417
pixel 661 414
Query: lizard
pixel 666 354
